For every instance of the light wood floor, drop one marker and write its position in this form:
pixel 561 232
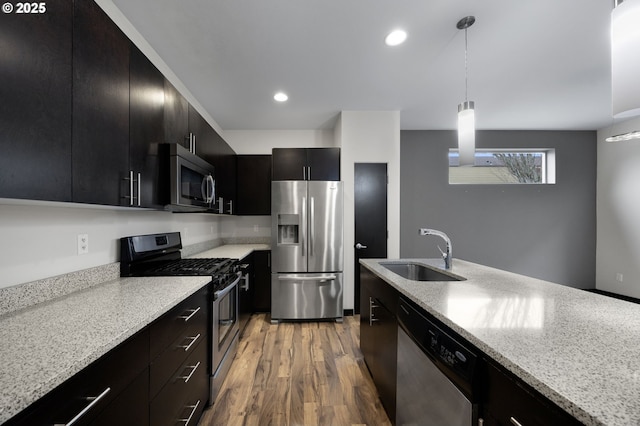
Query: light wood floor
pixel 302 373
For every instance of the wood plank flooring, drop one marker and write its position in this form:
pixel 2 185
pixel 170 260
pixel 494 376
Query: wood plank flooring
pixel 302 373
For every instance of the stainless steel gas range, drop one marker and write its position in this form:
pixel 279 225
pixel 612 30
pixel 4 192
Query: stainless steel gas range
pixel 160 255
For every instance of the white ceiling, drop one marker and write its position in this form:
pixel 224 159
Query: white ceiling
pixel 533 64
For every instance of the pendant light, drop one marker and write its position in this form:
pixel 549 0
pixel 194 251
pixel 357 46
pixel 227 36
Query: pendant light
pixel 466 111
pixel 625 60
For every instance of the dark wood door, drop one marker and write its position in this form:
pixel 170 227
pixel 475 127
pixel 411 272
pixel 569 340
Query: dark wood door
pixel 146 129
pixel 176 116
pixel 254 184
pixel 370 206
pixel 289 163
pixel 35 111
pixel 100 150
pixel 323 164
pixel 262 281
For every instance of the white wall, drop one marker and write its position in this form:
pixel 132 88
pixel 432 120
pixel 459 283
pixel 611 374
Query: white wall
pixel 618 212
pixel 263 141
pixel 368 137
pixel 39 240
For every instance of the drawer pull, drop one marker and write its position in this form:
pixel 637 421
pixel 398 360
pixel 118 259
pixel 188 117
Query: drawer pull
pixel 193 370
pixel 194 408
pixel 94 400
pixel 188 317
pixel 515 422
pixel 193 340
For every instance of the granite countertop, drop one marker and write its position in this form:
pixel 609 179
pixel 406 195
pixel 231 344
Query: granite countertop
pixel 44 345
pixel 579 349
pixel 232 251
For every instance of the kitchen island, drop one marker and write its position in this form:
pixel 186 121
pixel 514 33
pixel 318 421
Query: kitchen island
pixel 578 349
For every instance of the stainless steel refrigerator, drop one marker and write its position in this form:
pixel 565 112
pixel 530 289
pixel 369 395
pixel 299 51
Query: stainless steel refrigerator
pixel 306 250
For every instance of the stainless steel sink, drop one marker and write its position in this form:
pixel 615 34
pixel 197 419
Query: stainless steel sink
pixel 418 272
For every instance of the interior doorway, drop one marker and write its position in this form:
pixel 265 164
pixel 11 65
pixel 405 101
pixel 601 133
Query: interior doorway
pixel 370 208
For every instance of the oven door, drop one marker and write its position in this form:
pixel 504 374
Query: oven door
pixel 225 321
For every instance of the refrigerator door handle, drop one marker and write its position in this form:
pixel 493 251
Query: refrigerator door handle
pixel 323 278
pixel 303 238
pixel 312 226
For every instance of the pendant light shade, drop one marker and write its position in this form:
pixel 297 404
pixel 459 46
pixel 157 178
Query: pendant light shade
pixel 625 58
pixel 466 133
pixel 466 111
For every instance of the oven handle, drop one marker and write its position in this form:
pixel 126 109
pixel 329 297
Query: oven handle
pixel 220 293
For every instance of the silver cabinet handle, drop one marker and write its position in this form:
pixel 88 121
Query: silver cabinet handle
pixel 194 143
pixel 139 187
pixel 94 400
pixel 188 317
pixel 308 173
pixel 304 173
pixel 515 422
pixel 131 196
pixel 194 408
pixel 193 370
pixel 360 246
pixel 193 340
pixel 372 306
pixel 230 206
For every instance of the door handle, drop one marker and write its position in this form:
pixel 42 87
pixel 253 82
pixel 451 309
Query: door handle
pixel 360 246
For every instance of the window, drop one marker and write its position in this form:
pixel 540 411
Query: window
pixel 505 166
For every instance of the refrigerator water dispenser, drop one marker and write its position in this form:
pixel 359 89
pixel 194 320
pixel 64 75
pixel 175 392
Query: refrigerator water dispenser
pixel 288 227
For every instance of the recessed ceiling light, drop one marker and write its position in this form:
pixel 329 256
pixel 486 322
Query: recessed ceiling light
pixel 280 97
pixel 395 38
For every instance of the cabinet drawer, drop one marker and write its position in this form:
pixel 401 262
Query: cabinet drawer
pixel 131 407
pixel 187 387
pixel 166 364
pixel 173 324
pixel 104 380
pixel 506 399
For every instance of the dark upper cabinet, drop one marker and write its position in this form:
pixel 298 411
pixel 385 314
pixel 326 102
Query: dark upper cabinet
pixel 35 112
pixel 146 127
pixel 210 146
pixel 306 164
pixel 100 128
pixel 176 116
pixel 253 184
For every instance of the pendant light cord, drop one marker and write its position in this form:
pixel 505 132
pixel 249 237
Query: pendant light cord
pixel 466 83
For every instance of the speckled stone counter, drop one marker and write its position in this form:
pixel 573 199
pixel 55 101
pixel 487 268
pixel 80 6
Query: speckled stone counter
pixel 581 350
pixel 44 345
pixel 232 251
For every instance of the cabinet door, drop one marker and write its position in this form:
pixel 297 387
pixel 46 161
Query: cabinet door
pixel 323 164
pixel 379 336
pixel 505 398
pixel 176 116
pixel 35 112
pixel 254 185
pixel 289 163
pixel 146 129
pixel 100 150
pixel 262 281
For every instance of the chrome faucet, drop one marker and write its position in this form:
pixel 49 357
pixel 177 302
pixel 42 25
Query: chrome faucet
pixel 448 256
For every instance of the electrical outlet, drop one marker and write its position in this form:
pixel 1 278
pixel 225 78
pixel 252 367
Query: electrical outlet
pixel 83 243
pixel 619 277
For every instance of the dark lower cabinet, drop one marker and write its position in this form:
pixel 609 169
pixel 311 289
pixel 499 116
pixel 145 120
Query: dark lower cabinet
pixel 245 294
pixel 253 185
pixel 121 372
pixel 379 336
pixel 159 376
pixel 262 281
pixel 35 111
pixel 100 135
pixel 508 401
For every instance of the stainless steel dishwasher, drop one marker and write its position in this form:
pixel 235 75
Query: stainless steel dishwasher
pixel 435 374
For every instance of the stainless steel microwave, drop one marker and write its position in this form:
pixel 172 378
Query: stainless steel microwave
pixel 192 184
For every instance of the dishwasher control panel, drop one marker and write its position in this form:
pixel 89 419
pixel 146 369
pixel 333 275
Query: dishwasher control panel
pixel 449 355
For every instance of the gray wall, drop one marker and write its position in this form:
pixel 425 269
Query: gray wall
pixel 543 231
